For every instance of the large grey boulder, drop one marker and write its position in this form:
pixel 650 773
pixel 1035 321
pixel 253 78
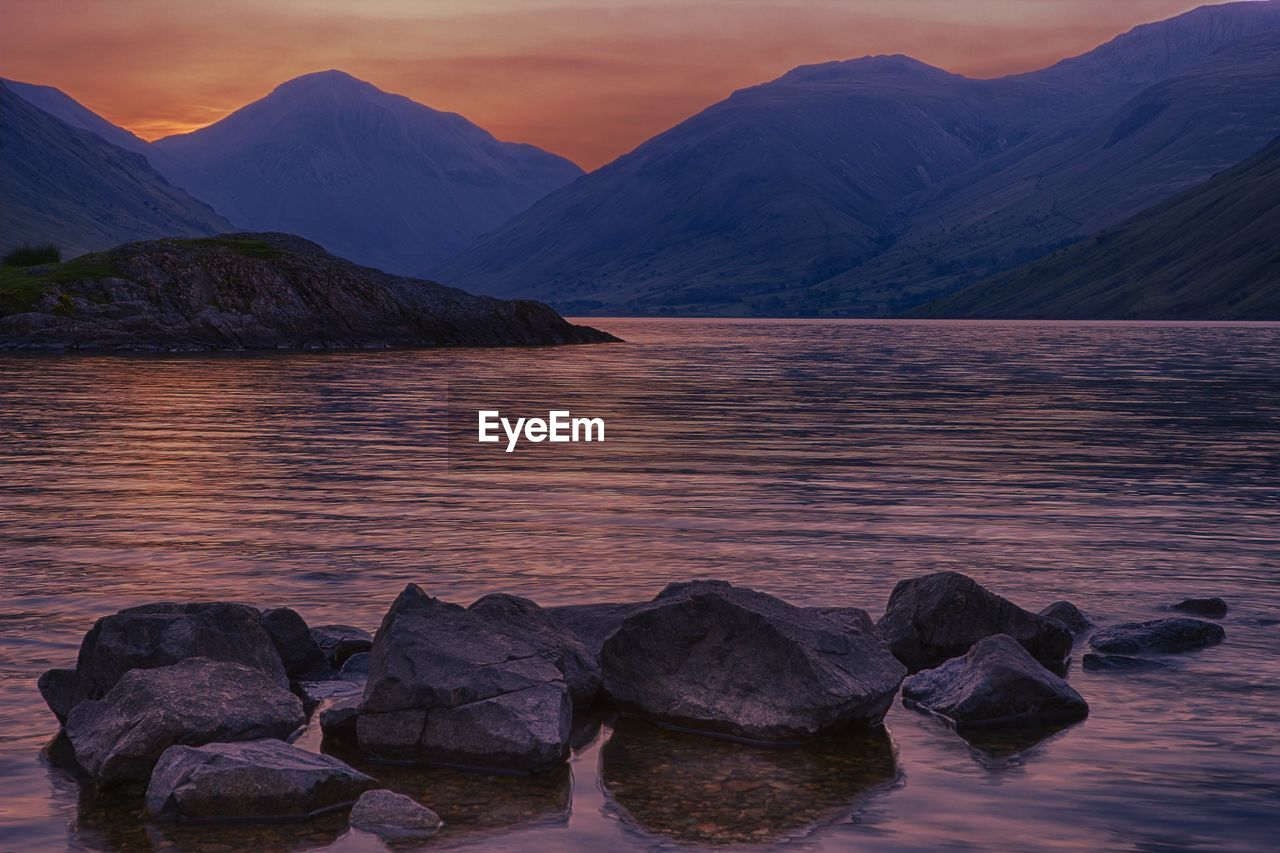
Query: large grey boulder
pixel 525 621
pixel 254 780
pixel 593 623
pixel 1214 608
pixel 997 682
pixel 445 687
pixel 393 816
pixel 932 619
pixel 724 660
pixel 339 642
pixel 119 738
pixel 298 650
pixel 1069 615
pixel 1159 636
pixel 156 635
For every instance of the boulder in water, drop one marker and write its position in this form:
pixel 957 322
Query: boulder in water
pixel 298 650
pixel 61 691
pixel 119 738
pixel 719 659
pixel 1214 608
pixel 935 618
pixel 393 816
pixel 997 682
pixel 593 623
pixel 157 635
pixel 1069 615
pixel 525 621
pixel 445 687
pixel 254 780
pixel 1159 636
pixel 339 642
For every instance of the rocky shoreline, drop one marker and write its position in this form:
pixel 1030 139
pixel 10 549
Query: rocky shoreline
pixel 249 291
pixel 195 708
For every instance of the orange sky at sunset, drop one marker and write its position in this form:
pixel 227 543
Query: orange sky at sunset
pixel 588 79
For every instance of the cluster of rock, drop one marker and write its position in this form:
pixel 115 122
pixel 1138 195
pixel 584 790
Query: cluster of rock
pixel 197 703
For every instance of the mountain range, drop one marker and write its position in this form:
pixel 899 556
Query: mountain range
pixel 863 188
pixel 866 187
pixel 371 176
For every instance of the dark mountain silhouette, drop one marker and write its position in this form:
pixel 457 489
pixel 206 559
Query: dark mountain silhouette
pixel 68 186
pixel 63 107
pixel 1209 253
pixel 371 176
pixel 864 187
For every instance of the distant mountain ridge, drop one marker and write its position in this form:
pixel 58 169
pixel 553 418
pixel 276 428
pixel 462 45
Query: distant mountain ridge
pixel 1210 253
pixel 864 187
pixel 65 185
pixel 371 176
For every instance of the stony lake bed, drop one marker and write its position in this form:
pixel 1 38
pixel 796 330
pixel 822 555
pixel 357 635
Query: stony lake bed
pixel 1125 474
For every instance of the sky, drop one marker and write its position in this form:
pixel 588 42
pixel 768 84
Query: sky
pixel 587 79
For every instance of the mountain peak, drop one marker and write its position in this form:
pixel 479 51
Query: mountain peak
pixel 882 66
pixel 331 80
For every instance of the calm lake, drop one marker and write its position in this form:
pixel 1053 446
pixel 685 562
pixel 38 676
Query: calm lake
pixel 1122 467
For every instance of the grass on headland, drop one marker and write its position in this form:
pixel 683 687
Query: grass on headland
pixel 22 286
pixel 32 254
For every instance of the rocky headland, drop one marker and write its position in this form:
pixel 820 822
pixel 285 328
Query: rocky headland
pixel 253 292
pixel 194 709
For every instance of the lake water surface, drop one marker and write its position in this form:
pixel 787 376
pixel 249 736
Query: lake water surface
pixel 1122 467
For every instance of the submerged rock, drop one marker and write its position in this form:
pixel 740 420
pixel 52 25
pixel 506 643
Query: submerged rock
pixel 1160 636
pixel 997 682
pixel 298 650
pixel 719 659
pixel 932 619
pixel 593 623
pixel 391 815
pixel 1214 608
pixel 255 780
pixel 119 738
pixel 445 687
pixel 1069 615
pixel 1120 663
pixel 339 642
pixel 525 621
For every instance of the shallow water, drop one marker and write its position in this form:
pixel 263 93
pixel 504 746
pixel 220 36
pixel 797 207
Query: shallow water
pixel 1119 466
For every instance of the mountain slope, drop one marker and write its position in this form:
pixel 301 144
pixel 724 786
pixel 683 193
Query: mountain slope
pixel 253 291
pixel 371 176
pixel 1211 253
pixel 1061 187
pixel 69 111
pixel 791 181
pixel 861 188
pixel 64 185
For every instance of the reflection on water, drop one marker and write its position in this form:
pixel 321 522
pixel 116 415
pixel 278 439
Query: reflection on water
pixel 698 789
pixel 1120 467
